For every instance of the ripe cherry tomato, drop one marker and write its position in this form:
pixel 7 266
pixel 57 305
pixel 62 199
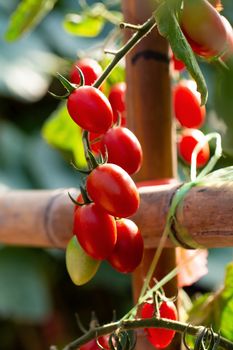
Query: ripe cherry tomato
pixel 203 28
pixel 90 109
pixel 93 345
pixel 90 68
pixel 160 337
pixel 188 140
pixel 117 100
pixel 128 250
pixel 111 187
pixel 187 108
pixel 95 230
pixel 123 149
pixel 95 141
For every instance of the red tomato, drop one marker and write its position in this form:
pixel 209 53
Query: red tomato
pixel 123 149
pixel 177 64
pixel 188 140
pixel 128 251
pixel 95 230
pixel 111 187
pixel 93 345
pixel 117 99
pixel 90 109
pixel 203 28
pixel 160 337
pixel 90 68
pixel 187 108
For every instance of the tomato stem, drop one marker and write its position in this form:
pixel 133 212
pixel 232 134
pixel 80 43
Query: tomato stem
pixel 142 31
pixel 177 326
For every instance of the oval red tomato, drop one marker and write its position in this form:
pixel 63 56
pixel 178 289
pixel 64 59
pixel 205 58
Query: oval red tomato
pixel 123 149
pixel 177 64
pixel 117 100
pixel 203 28
pixel 186 103
pixel 128 251
pixel 95 230
pixel 90 109
pixel 160 337
pixel 90 69
pixel 111 187
pixel 188 140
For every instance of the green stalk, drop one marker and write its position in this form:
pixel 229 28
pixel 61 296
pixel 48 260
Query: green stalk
pixel 154 322
pixel 142 31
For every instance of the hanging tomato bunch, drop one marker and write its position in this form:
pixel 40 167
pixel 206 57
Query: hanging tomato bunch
pixel 109 195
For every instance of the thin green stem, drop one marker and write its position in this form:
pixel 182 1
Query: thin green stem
pixel 136 37
pixel 87 148
pixel 154 322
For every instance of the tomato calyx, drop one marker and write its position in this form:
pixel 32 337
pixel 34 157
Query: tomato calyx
pixel 83 195
pixel 70 87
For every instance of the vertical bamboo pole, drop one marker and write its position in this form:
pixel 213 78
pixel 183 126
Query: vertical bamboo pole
pixel 149 117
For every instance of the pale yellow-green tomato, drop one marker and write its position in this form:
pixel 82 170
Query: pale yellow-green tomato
pixel 80 266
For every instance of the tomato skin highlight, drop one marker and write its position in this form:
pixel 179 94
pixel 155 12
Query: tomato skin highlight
pixel 160 337
pixel 128 251
pixel 111 187
pixel 203 28
pixel 123 149
pixel 90 69
pixel 90 109
pixel 188 140
pixel 117 100
pixel 187 108
pixel 95 230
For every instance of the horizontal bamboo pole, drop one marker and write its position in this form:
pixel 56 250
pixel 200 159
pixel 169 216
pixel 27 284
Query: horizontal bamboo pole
pixel 43 218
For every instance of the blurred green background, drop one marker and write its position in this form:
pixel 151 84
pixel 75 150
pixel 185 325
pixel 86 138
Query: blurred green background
pixel 38 301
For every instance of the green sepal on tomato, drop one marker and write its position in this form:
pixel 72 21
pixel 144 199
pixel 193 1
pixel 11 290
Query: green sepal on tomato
pixel 80 266
pixel 95 230
pixel 112 189
pixel 128 251
pixel 90 109
pixel 160 338
pixel 203 28
pixel 123 149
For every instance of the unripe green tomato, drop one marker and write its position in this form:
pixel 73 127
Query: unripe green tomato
pixel 80 266
pixel 203 28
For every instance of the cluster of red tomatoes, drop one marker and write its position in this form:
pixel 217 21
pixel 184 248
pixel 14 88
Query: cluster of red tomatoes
pixel 100 221
pixel 210 35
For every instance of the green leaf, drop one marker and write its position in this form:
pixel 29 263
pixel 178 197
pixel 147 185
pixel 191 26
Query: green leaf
pixel 169 27
pixel 216 309
pixel 83 25
pixel 62 132
pixel 27 15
